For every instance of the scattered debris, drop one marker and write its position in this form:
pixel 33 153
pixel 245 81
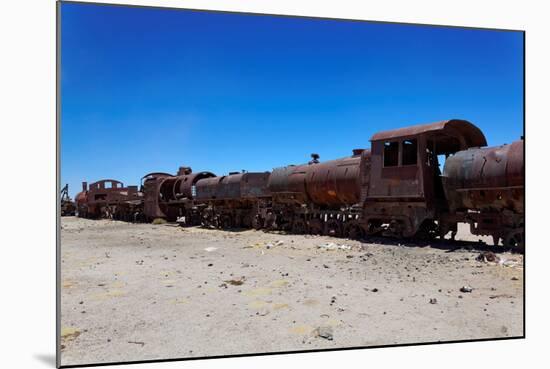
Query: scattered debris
pixel 137 343
pixel 502 295
pixel 273 244
pixel 210 249
pixel 466 289
pixel 69 333
pixel 333 246
pixel 433 301
pixel 488 257
pixel 508 262
pixel 325 332
pixel 235 282
pixel 262 312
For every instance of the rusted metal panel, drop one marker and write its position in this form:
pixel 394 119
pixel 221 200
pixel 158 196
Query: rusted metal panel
pixel 81 199
pixel 151 189
pixel 254 185
pixel 469 134
pixel 289 182
pixel 207 189
pixel 107 198
pixel 405 188
pixel 234 186
pixel 396 181
pixel 488 178
pixel 166 195
pixel 334 183
pixel 184 186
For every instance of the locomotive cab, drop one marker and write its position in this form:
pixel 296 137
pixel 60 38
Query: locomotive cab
pixel 404 189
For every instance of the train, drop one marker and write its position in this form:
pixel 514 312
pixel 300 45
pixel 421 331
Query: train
pixel 415 182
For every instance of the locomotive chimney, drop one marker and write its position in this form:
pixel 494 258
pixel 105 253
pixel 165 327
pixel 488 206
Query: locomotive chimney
pixel 357 151
pixel 84 186
pixel 314 159
pixel 184 171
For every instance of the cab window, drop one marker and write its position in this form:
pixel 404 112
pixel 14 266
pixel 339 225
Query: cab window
pixel 409 152
pixel 391 154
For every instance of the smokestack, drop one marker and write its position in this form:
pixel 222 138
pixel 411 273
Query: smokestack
pixel 184 171
pixel 84 186
pixel 314 159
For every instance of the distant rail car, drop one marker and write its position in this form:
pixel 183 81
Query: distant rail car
pixel 108 198
pixel 171 197
pixel 399 188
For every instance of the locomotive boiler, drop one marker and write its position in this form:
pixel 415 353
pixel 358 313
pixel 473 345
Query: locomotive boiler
pixel 485 188
pixel 330 184
pixel 232 200
pixel 313 197
pixel 170 197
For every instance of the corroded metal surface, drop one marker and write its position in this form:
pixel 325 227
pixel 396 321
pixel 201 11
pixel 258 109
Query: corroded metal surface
pixel 396 189
pixel 151 183
pixel 234 186
pixel 332 183
pixel 488 178
pixel 108 198
pixel 471 136
pixel 168 196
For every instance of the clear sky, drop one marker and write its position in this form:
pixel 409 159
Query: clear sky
pixel 145 89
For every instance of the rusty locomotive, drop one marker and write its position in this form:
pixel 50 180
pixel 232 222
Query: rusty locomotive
pixel 396 188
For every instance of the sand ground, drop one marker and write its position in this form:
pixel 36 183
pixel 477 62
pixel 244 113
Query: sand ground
pixel 142 291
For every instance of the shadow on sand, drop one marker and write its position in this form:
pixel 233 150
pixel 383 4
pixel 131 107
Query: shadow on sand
pixel 446 244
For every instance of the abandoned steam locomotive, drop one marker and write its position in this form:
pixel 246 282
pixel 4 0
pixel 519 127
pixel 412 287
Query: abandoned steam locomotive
pixel 394 189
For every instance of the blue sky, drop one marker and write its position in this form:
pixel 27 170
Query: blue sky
pixel 146 89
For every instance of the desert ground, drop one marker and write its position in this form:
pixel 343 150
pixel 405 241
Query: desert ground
pixel 141 292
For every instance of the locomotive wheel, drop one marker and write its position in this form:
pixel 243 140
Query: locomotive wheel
pixel 428 231
pixel 333 228
pixel 226 222
pixel 284 224
pixel 216 221
pixel 354 231
pixel 515 239
pixel 257 222
pixel 315 226
pixel 269 222
pixel 374 228
pixel 246 221
pixel 299 226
